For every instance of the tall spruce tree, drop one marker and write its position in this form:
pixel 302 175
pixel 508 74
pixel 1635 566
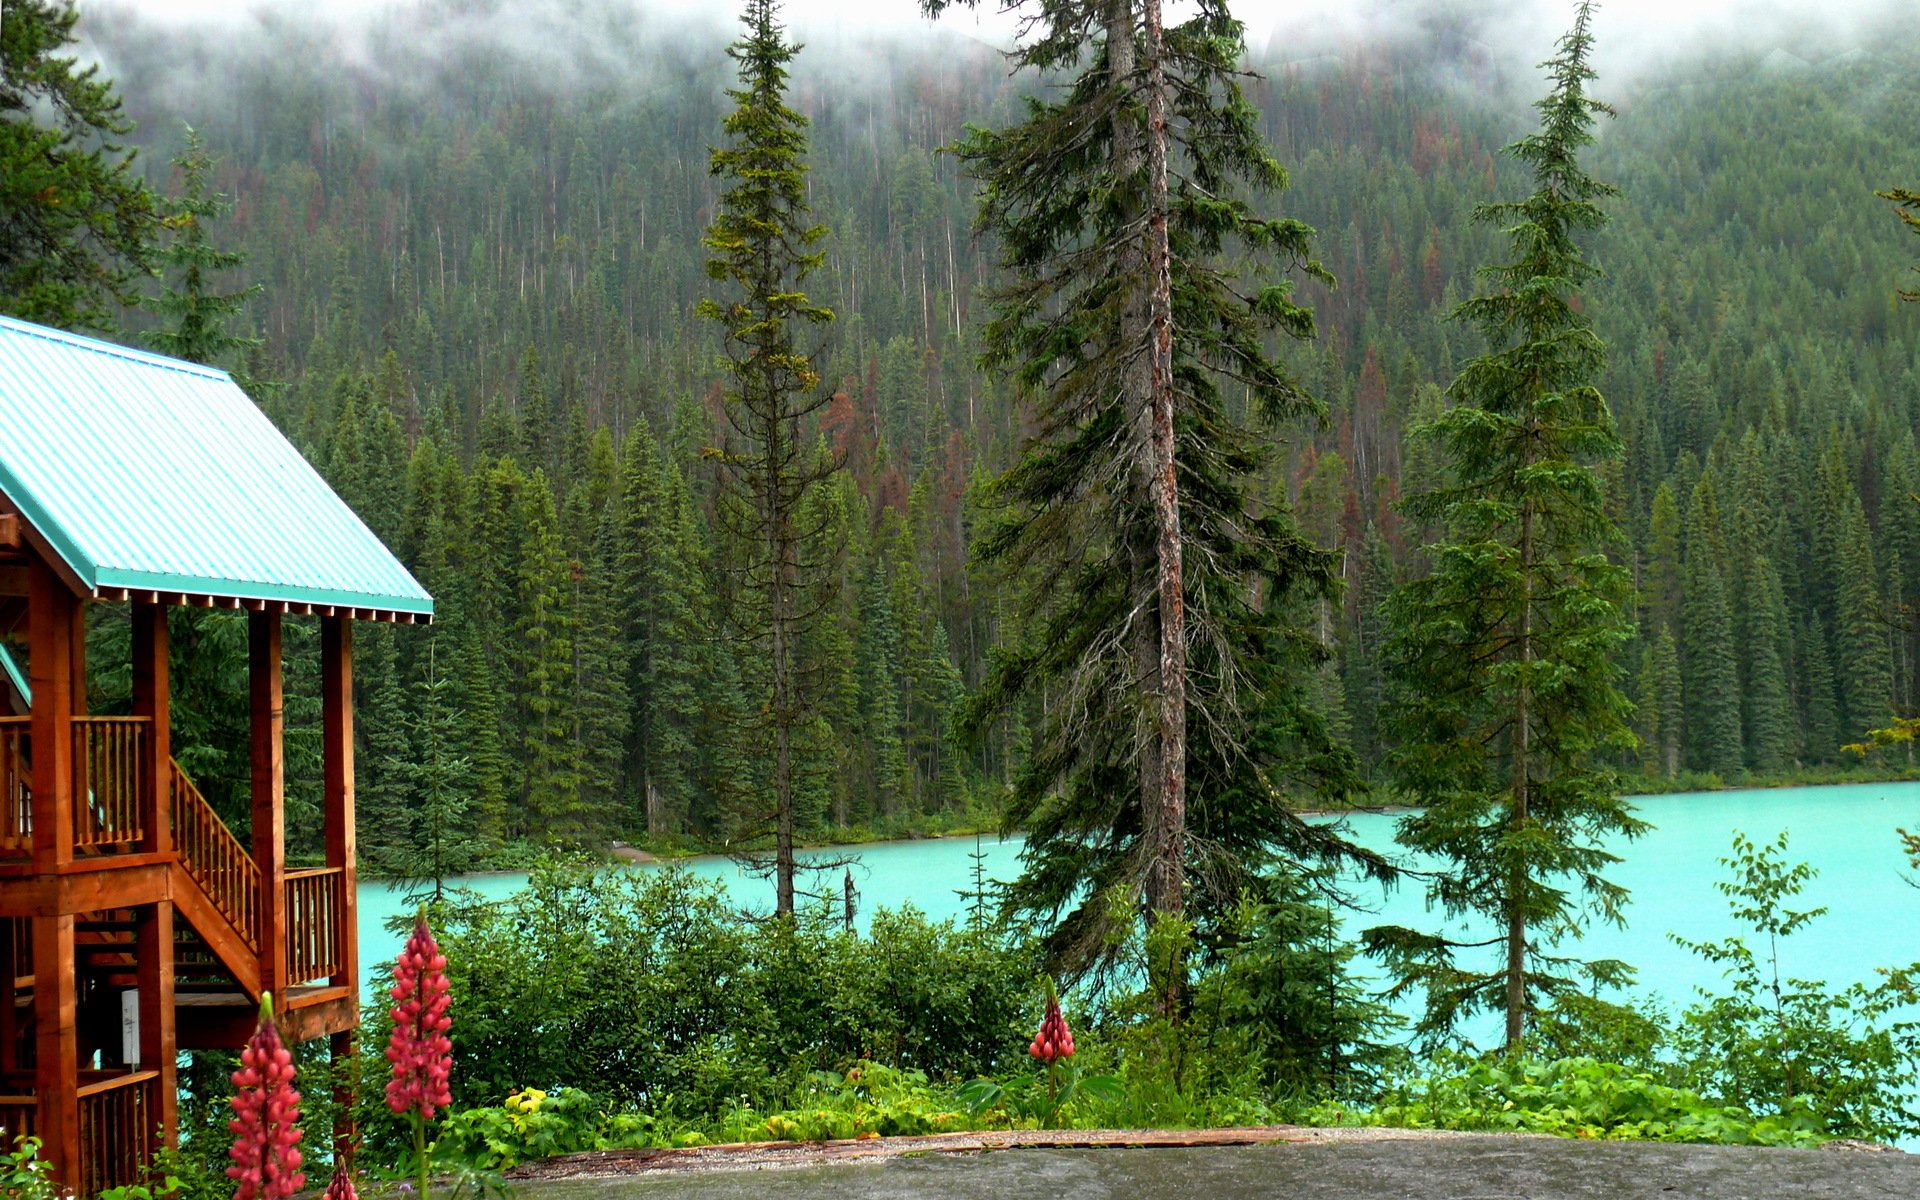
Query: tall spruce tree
pixel 1710 666
pixel 77 223
pixel 1504 657
pixel 1906 203
pixel 763 246
pixel 1164 607
pixel 197 317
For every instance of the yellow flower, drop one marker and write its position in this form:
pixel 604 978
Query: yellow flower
pixel 525 1101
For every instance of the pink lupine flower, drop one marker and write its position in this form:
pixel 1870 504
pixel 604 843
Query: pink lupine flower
pixel 340 1187
pixel 1054 1041
pixel 266 1120
pixel 421 1052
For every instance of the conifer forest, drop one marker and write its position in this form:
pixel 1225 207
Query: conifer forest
pixel 1136 440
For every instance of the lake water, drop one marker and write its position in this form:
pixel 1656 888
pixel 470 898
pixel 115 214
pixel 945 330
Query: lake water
pixel 1846 832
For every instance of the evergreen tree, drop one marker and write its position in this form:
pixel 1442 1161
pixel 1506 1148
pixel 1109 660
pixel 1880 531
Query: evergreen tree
pixel 1657 707
pixel 1660 596
pixel 666 616
pixel 763 247
pixel 1503 658
pixel 196 317
pixel 1710 668
pixel 1907 207
pixel 1767 707
pixel 1865 659
pixel 550 778
pixel 1128 520
pixel 440 843
pixel 878 656
pixel 77 223
pixel 1821 723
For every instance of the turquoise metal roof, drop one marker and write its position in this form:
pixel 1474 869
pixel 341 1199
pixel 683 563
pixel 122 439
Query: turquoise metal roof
pixel 150 474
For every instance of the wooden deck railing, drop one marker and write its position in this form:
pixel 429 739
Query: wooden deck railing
pixel 18 1119
pixel 118 1117
pixel 111 769
pixel 316 924
pixel 16 789
pixel 215 858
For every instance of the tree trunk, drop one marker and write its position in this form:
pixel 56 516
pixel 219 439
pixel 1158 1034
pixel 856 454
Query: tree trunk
pixel 781 553
pixel 1167 882
pixel 1522 784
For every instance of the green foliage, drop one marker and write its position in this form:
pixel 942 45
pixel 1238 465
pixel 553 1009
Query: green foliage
pixel 1276 1004
pixel 644 987
pixel 1040 1098
pixel 1504 659
pixel 24 1175
pixel 196 317
pixel 1842 1061
pixel 532 1123
pixel 1570 1097
pixel 80 222
pixel 1073 534
pixel 1907 208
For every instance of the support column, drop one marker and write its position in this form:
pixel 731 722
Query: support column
pixel 56 1081
pixel 52 613
pixel 9 999
pixel 152 700
pixel 269 787
pixel 336 739
pixel 159 1043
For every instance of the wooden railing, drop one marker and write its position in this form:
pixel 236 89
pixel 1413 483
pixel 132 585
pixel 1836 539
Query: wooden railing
pixel 215 858
pixel 16 789
pixel 111 768
pixel 18 1119
pixel 118 1117
pixel 316 924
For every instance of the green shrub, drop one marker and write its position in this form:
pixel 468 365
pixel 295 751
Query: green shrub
pixel 1574 1097
pixel 645 989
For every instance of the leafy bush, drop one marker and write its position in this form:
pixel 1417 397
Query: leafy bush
pixel 647 990
pixel 1574 1097
pixel 24 1175
pixel 534 1124
pixel 1791 1047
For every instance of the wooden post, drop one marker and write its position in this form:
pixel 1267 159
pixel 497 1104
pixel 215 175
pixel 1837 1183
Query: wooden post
pixel 9 998
pixel 51 615
pixel 336 721
pixel 159 1045
pixel 56 1084
pixel 151 699
pixel 269 784
pixel 336 738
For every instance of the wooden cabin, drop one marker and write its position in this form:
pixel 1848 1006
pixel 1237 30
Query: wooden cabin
pixel 134 923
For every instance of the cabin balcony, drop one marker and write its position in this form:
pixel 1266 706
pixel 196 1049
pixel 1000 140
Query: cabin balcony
pixel 119 1112
pixel 112 768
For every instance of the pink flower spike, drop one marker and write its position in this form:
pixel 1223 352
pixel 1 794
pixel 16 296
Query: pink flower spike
pixel 266 1120
pixel 421 1052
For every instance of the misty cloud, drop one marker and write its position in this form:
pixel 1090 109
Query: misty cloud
pixel 572 43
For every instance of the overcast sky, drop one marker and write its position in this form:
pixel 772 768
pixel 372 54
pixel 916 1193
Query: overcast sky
pixel 1632 33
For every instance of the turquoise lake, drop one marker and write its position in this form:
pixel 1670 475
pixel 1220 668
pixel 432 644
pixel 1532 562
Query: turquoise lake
pixel 1846 832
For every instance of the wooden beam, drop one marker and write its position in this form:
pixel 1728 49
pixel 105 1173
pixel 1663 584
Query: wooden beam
pixel 9 998
pixel 52 611
pixel 267 703
pixel 159 1047
pixel 77 654
pixel 336 744
pixel 57 1047
pixel 11 537
pixel 152 699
